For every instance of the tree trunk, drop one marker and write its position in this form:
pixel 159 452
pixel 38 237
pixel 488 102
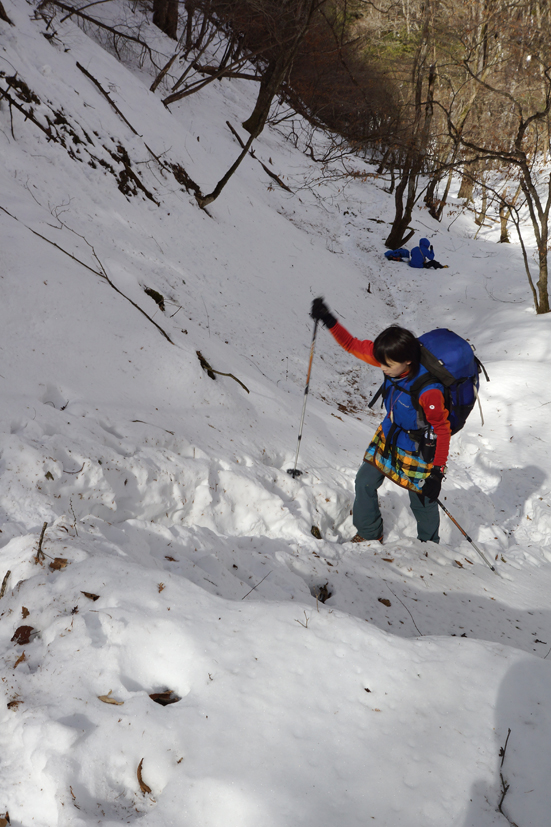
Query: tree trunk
pixel 431 199
pixel 407 186
pixel 165 17
pixel 543 292
pixel 400 232
pixel 503 218
pixel 466 188
pixel 271 81
pixel 480 217
pixel 205 200
pixel 278 68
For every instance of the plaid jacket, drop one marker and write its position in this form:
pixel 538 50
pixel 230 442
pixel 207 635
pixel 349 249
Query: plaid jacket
pixel 405 468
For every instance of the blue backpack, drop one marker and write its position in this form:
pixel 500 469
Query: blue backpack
pixel 451 361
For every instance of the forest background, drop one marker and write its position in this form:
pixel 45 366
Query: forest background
pixel 427 89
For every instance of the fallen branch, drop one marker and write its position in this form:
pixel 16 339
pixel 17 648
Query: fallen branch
pixel 264 167
pixel 163 72
pixel 29 114
pixel 200 84
pixel 210 371
pixel 255 587
pixel 225 73
pixel 101 274
pixel 107 96
pixel 72 10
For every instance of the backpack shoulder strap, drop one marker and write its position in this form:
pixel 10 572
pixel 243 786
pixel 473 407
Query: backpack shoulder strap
pixel 435 368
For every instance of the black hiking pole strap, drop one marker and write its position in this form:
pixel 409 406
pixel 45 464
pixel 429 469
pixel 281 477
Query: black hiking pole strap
pixel 464 533
pixel 293 471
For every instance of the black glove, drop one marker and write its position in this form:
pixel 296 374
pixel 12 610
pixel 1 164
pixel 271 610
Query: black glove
pixel 431 248
pixel 321 313
pixel 432 486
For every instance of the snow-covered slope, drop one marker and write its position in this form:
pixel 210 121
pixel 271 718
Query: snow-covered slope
pixel 179 554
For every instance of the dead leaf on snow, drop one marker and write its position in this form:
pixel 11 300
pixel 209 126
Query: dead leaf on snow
pixel 143 786
pixel 58 563
pixel 19 660
pixel 388 559
pixel 385 601
pixel 90 595
pixel 22 635
pixel 457 563
pixel 25 612
pixel 107 699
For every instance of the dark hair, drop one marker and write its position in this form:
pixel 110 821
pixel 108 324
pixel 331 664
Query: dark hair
pixel 398 345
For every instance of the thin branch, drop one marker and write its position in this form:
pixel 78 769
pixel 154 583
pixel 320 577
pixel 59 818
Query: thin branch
pixel 255 587
pixel 108 97
pixel 98 23
pixel 39 557
pixel 95 3
pixel 503 749
pixel 101 273
pixel 405 607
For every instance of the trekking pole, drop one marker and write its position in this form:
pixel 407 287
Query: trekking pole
pixel 464 533
pixel 293 471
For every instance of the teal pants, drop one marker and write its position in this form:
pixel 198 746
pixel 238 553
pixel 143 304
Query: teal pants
pixel 366 514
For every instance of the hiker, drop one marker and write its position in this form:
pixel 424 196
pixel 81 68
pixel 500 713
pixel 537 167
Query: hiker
pixel 423 256
pixel 411 453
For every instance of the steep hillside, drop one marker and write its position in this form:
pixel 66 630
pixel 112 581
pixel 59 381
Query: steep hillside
pixel 317 681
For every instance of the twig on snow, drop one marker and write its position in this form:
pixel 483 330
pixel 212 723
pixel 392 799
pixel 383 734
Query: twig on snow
pixel 102 273
pixel 210 371
pixel 405 607
pixel 39 557
pixel 504 785
pixel 255 587
pixel 503 749
pixel 107 96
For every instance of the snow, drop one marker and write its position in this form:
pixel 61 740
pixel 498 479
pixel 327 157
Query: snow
pixel 187 558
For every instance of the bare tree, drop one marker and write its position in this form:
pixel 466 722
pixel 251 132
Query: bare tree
pixel 512 139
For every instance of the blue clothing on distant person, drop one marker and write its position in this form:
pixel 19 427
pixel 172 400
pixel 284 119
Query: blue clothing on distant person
pixel 397 255
pixel 421 253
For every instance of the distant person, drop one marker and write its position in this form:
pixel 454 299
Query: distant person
pixel 423 256
pixel 405 450
pixel 397 255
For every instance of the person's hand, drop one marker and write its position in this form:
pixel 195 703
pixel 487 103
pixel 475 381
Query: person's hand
pixel 321 313
pixel 432 485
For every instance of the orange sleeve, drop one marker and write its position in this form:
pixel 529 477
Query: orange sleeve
pixel 432 402
pixel 360 348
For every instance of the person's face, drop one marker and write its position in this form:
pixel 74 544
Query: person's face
pixel 395 369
